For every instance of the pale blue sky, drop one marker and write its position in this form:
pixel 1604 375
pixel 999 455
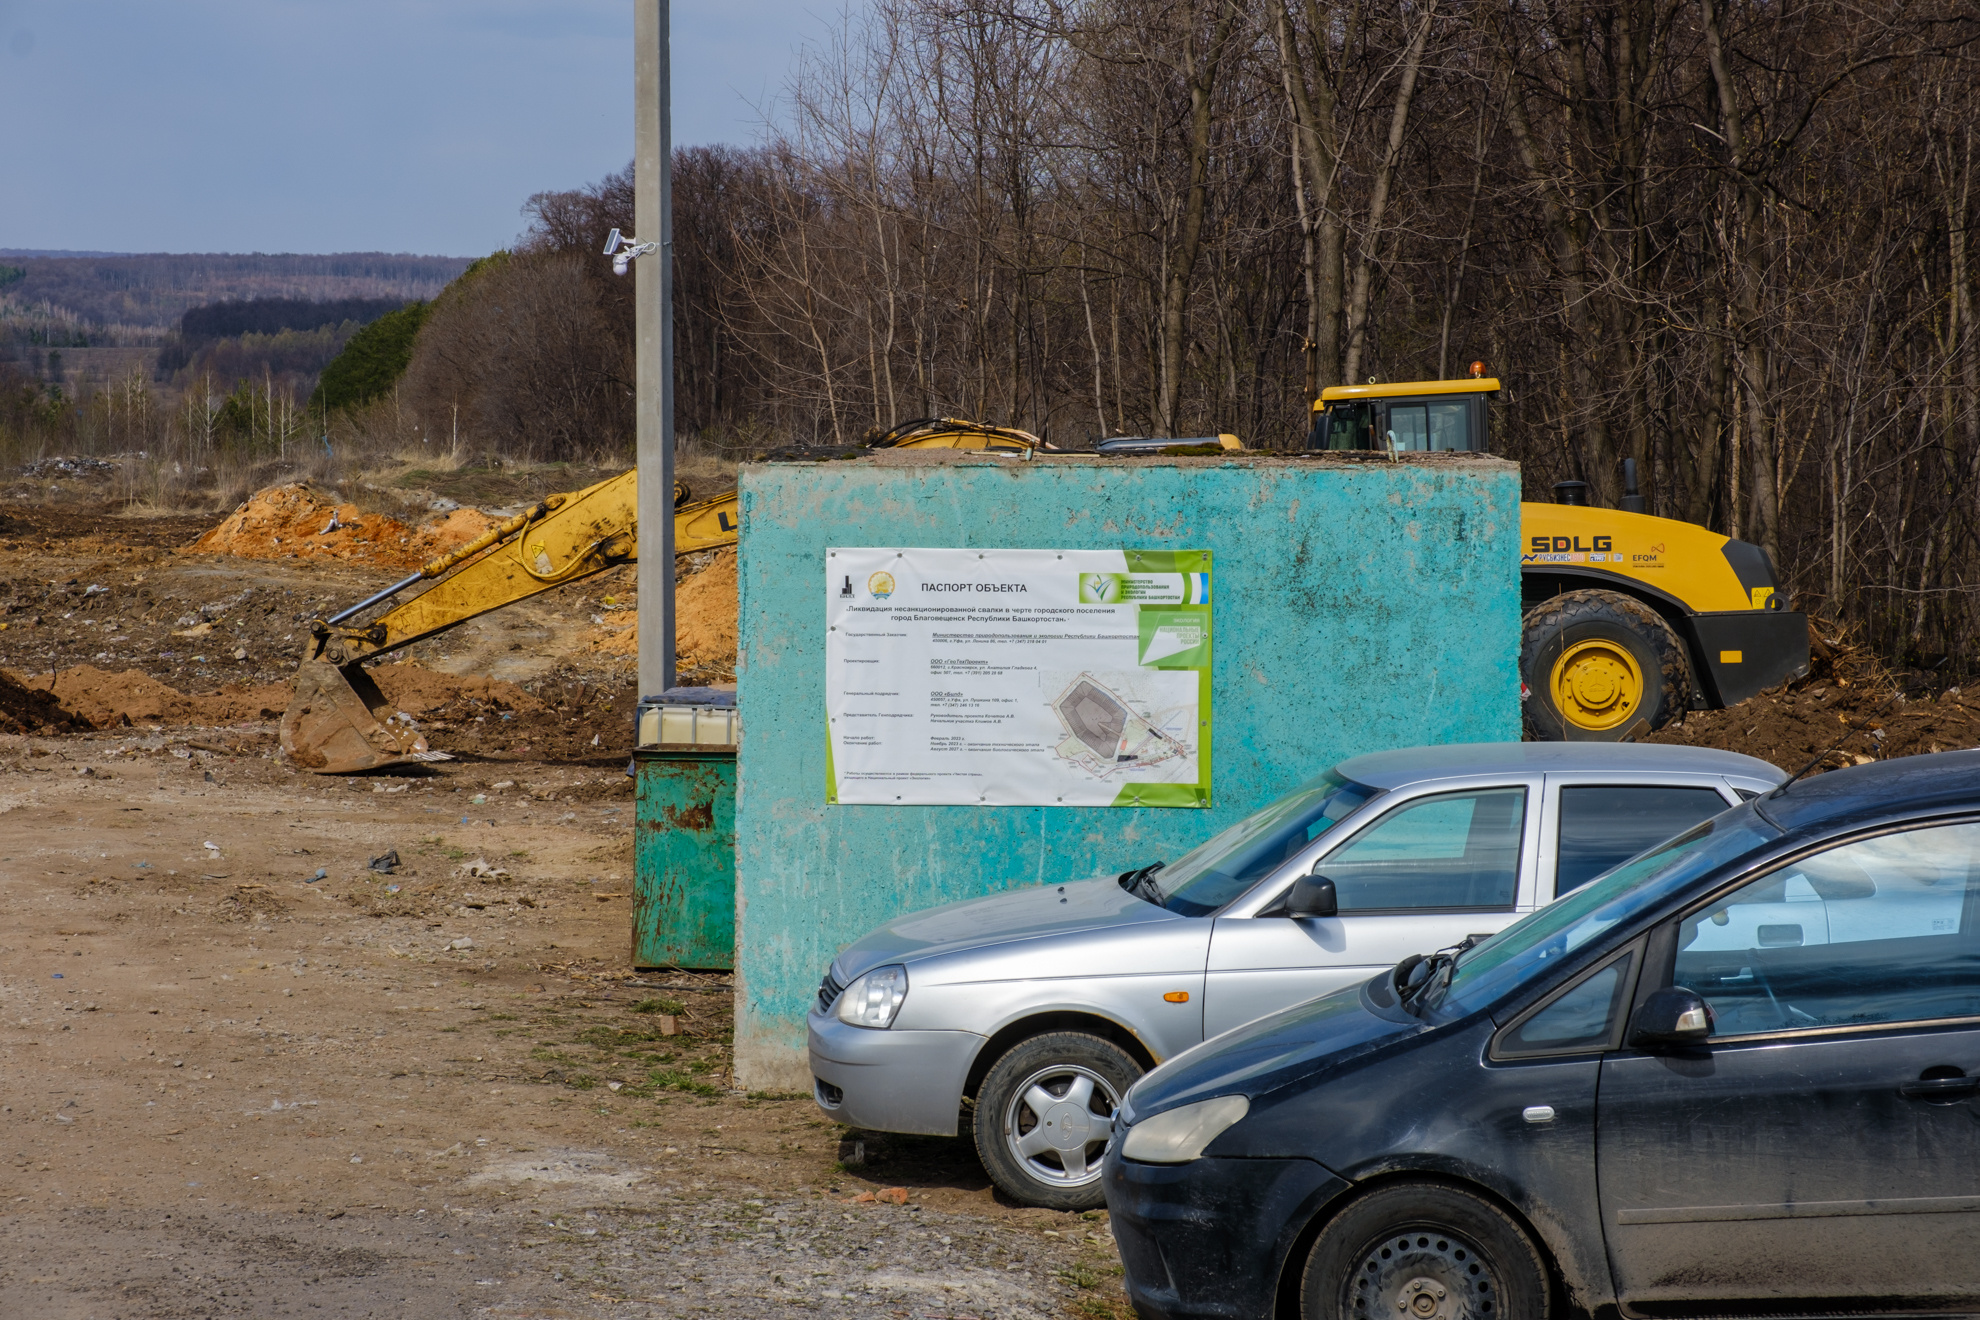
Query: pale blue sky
pixel 347 125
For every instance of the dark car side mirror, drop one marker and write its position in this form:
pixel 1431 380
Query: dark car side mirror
pixel 1313 896
pixel 1672 1016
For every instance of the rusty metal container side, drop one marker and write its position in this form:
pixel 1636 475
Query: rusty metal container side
pixel 684 856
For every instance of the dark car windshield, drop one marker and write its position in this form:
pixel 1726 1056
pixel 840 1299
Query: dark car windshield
pixel 1212 874
pixel 1533 945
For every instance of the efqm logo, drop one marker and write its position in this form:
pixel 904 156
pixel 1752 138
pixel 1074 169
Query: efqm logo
pixel 880 585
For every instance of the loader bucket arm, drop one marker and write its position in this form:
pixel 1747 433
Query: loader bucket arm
pixel 339 723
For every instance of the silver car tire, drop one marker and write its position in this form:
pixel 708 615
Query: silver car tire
pixel 1044 1116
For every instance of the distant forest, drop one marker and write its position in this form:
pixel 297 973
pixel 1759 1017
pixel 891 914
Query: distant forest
pixel 268 316
pixel 113 300
pixel 289 338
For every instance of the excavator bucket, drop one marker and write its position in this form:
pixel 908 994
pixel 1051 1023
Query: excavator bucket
pixel 339 723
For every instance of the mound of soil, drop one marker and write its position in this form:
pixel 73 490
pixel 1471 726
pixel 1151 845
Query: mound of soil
pixel 24 709
pixel 705 614
pixel 1791 727
pixel 86 697
pixel 294 522
pixel 704 619
pixel 96 698
pixel 1849 710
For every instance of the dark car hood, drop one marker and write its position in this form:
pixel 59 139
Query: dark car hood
pixel 1264 1055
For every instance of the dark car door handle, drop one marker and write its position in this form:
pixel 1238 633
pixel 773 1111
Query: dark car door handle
pixel 1936 1087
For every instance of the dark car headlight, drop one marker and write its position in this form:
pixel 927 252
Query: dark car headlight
pixel 1177 1136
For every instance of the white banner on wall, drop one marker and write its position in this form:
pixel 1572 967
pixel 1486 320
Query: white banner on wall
pixel 1075 678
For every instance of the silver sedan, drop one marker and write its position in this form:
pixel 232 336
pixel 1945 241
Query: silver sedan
pixel 1027 1015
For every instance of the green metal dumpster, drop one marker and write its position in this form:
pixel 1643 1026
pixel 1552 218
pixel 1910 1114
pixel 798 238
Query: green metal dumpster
pixel 684 841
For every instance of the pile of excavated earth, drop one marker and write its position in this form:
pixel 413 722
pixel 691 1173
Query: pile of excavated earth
pixel 1849 710
pixel 704 615
pixel 294 522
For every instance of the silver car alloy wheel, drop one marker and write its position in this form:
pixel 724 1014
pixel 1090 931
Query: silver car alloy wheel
pixel 1059 1122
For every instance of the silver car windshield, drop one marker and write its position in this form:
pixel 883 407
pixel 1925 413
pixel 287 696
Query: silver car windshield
pixel 1215 873
pixel 1537 942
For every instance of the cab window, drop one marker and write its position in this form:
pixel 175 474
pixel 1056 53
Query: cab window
pixel 1349 426
pixel 1430 427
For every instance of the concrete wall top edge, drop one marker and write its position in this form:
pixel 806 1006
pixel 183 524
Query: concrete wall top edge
pixel 1230 458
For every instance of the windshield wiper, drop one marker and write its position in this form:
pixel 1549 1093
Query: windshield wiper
pixel 1419 981
pixel 1141 883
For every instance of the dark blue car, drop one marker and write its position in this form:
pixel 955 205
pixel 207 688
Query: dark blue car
pixel 1734 1076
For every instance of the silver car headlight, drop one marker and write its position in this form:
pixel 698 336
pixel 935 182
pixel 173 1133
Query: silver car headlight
pixel 1177 1136
pixel 874 999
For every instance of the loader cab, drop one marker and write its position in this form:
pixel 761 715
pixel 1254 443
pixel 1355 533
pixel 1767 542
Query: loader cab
pixel 1412 417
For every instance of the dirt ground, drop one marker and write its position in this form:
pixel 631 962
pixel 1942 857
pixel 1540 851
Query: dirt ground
pixel 243 1073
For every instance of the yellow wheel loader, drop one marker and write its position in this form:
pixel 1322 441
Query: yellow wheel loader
pixel 338 722
pixel 1629 619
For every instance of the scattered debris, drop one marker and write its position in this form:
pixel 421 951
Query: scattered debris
pixel 69 467
pixel 386 864
pixel 885 1196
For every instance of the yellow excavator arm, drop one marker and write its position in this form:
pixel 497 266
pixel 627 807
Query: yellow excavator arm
pixel 338 722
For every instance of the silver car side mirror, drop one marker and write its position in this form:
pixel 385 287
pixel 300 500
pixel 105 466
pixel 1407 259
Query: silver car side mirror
pixel 1313 896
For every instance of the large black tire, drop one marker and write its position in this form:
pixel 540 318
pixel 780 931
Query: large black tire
pixel 1424 1251
pixel 1044 1116
pixel 1599 666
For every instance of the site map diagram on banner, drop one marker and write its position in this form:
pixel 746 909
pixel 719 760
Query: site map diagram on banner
pixel 1058 678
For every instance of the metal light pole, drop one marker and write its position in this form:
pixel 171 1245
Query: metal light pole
pixel 684 848
pixel 653 219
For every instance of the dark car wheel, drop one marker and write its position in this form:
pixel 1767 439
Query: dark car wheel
pixel 1424 1251
pixel 1044 1116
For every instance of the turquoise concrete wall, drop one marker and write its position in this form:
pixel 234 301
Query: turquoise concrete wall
pixel 1359 606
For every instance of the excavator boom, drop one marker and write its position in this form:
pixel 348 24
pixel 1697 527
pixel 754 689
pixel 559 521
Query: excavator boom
pixel 338 722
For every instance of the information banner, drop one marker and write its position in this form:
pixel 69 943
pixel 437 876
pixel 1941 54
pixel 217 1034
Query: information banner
pixel 1058 678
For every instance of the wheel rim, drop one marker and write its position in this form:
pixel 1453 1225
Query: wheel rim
pixel 1596 684
pixel 1422 1274
pixel 1058 1123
